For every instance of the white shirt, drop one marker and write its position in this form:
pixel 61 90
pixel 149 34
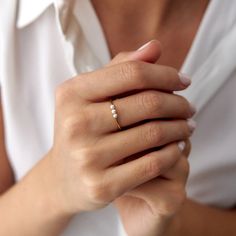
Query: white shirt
pixel 35 56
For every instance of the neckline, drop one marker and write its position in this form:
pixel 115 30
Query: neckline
pixel 185 68
pixel 102 50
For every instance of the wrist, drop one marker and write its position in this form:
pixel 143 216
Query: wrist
pixel 32 206
pixel 43 190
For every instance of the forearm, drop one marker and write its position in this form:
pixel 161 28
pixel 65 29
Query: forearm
pixel 196 219
pixel 30 207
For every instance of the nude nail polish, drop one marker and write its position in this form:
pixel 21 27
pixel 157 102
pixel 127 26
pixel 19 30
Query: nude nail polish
pixel 193 109
pixel 181 145
pixel 192 125
pixel 185 80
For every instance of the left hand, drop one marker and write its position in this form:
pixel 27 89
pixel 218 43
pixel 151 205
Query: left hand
pixel 149 209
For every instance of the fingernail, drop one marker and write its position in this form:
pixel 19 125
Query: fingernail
pixel 185 80
pixel 145 45
pixel 192 125
pixel 181 145
pixel 193 109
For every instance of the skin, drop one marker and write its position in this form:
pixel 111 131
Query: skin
pixel 81 171
pixel 175 24
pixel 6 173
pixel 69 179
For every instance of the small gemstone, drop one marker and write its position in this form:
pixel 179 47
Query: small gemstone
pixel 113 111
pixel 112 106
pixel 115 115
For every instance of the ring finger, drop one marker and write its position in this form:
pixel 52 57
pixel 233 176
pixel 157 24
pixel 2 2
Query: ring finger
pixel 149 104
pixel 117 146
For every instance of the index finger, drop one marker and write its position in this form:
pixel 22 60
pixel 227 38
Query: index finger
pixel 127 76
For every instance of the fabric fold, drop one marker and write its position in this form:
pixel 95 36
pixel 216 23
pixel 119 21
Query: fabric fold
pixel 214 72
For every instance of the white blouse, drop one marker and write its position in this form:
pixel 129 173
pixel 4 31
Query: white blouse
pixel 36 55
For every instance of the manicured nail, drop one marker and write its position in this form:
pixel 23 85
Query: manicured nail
pixel 193 109
pixel 145 45
pixel 185 80
pixel 192 125
pixel 181 145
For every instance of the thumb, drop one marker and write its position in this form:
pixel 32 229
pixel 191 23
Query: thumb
pixel 149 52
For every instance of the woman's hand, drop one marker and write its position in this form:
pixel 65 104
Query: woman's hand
pixel 87 168
pixel 149 209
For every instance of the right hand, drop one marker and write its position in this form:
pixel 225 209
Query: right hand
pixel 88 167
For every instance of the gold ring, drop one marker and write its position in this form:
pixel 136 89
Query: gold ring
pixel 114 113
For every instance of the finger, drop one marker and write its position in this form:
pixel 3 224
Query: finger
pixel 149 52
pixel 111 81
pixel 117 146
pixel 187 149
pixel 149 104
pixel 132 174
pixel 179 172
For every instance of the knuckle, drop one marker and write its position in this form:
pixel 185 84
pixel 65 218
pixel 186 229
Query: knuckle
pixel 152 168
pixel 86 158
pixel 134 71
pixel 64 92
pixel 97 189
pixel 76 124
pixel 153 133
pixel 151 101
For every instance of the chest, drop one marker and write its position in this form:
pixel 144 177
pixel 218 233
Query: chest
pixel 176 36
pixel 175 44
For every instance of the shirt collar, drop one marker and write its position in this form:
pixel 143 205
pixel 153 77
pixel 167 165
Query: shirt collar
pixel 30 10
